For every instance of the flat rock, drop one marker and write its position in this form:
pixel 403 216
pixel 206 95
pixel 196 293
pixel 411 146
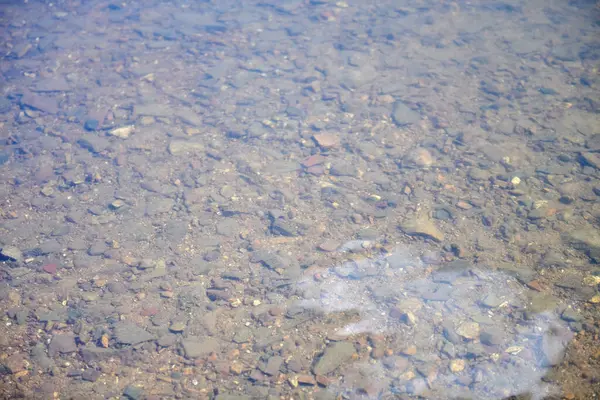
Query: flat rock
pixel 61 344
pixel 402 115
pixel 95 354
pixel 326 140
pixel 52 85
pixel 94 143
pixel 189 117
pixel 333 357
pixel 418 158
pixel 586 239
pixel 195 347
pixel 272 366
pixel 180 146
pixel 46 104
pixel 421 227
pixel 591 159
pixel 129 333
pixel 153 110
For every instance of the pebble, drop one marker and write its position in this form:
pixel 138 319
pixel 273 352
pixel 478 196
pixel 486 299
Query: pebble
pixel 123 132
pixel 177 326
pixel 457 365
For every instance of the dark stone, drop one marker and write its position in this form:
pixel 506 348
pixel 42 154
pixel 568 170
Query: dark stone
pixel 133 392
pixel 95 354
pixel 91 125
pixel 90 375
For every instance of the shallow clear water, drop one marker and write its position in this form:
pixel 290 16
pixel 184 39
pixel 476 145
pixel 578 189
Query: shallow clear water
pixel 299 200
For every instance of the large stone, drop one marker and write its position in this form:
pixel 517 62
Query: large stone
pixel 129 333
pixel 61 344
pixel 94 143
pixel 179 146
pixel 586 240
pixel 334 357
pixel 196 347
pixel 402 115
pixel 41 103
pixel 421 227
pixel 52 85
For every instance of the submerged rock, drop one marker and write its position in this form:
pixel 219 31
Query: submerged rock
pixel 421 227
pixel 333 357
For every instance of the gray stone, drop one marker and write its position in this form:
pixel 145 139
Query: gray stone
pixel 133 392
pixel 129 333
pixel 94 143
pixel 228 227
pixel 490 337
pixel 586 240
pixel 333 357
pixel 180 146
pixel 58 84
pixel 242 335
pixel 5 105
pixel 39 356
pixel 343 168
pixel 95 354
pixel 49 247
pixel 492 300
pixel 571 315
pixel 61 344
pixel 402 115
pixel 271 367
pixel 195 347
pixel 42 103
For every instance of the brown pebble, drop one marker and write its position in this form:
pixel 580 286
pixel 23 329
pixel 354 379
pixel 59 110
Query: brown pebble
pixel 322 380
pixel 276 311
pixel 410 350
pixel 236 368
pixel 463 205
pixel 326 140
pixel 315 159
pixel 317 170
pixel 305 379
pixel 378 353
pixel 535 285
